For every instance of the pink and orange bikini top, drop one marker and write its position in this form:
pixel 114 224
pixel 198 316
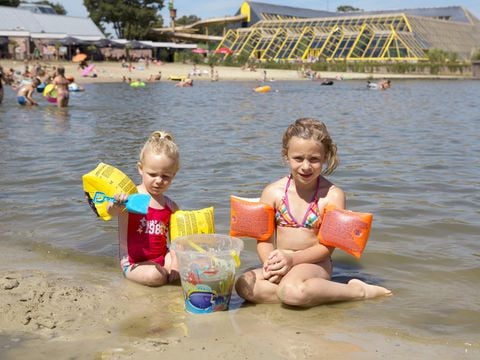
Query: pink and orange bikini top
pixel 283 216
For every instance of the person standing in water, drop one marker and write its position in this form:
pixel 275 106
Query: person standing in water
pixel 61 85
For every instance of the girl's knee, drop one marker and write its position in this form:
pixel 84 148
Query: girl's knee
pixel 157 276
pixel 149 276
pixel 293 294
pixel 245 284
pixel 156 279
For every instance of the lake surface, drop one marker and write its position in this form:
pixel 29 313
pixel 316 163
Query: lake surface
pixel 409 155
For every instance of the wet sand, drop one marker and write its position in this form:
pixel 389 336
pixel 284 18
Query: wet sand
pixel 59 304
pixel 56 304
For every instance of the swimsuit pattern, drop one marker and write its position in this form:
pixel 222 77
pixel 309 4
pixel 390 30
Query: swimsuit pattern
pixel 147 235
pixel 284 218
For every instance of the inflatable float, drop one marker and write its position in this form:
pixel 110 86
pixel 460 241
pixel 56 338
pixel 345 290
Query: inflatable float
pixel 327 82
pixel 88 70
pixel 343 229
pixel 373 86
pixel 136 84
pixel 188 222
pixel 250 218
pixel 50 93
pixel 108 181
pixel 41 87
pixel 263 89
pixel 176 78
pixel 74 87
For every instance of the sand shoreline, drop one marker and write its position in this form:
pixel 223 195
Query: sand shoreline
pixel 111 72
pixel 52 306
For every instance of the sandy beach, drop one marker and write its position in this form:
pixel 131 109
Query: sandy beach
pixel 84 309
pixel 113 72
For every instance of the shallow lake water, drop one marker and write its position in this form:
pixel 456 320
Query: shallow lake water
pixel 409 155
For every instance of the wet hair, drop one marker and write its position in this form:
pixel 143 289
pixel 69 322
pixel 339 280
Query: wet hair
pixel 307 128
pixel 61 70
pixel 36 81
pixel 161 142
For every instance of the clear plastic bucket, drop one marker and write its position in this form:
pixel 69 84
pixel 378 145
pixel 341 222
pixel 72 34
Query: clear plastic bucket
pixel 207 264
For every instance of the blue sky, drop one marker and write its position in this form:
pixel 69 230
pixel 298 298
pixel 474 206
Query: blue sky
pixel 212 8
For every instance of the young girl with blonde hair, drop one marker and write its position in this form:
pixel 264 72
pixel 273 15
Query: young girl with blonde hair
pixel 61 84
pixel 297 269
pixel 145 257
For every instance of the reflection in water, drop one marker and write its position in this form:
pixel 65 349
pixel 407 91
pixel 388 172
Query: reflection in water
pixel 56 119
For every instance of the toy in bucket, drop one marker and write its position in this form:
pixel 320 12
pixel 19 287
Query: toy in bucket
pixel 207 264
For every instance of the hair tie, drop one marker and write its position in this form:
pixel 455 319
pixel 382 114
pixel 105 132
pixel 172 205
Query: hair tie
pixel 162 135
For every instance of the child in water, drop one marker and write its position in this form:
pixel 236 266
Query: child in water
pixel 24 94
pixel 145 257
pixel 61 84
pixel 297 269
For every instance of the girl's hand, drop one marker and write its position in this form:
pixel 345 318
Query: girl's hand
pixel 278 263
pixel 118 205
pixel 268 275
pixel 120 200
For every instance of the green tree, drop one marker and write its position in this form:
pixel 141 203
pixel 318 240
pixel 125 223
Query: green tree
pixel 475 55
pixel 211 29
pixel 437 56
pixel 347 8
pixel 131 19
pixel 217 29
pixel 11 3
pixel 187 20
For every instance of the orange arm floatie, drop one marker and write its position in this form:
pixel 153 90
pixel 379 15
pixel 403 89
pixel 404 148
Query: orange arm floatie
pixel 250 218
pixel 346 230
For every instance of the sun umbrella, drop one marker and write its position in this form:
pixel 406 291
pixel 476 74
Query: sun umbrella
pixel 79 57
pixel 103 43
pixel 224 50
pixel 199 51
pixel 70 40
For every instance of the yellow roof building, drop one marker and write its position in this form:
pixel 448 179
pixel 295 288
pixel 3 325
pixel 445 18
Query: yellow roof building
pixel 282 33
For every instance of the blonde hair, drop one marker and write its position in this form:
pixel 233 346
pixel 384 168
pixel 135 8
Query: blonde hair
pixel 307 128
pixel 161 142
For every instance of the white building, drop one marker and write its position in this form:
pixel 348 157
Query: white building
pixel 23 30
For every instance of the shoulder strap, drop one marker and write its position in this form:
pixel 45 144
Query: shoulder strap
pixel 169 203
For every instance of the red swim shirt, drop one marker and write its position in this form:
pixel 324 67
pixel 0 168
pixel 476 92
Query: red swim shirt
pixel 147 235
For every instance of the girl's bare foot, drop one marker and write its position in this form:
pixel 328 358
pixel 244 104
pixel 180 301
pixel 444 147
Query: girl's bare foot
pixel 369 291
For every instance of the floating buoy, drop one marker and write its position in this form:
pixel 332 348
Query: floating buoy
pixel 263 89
